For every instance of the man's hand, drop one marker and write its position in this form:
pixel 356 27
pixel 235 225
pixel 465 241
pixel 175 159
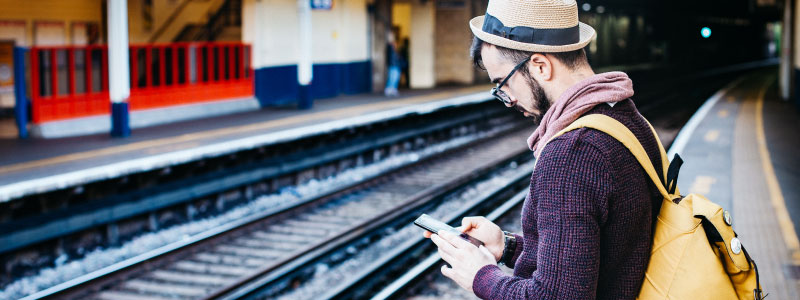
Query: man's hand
pixel 487 232
pixel 464 258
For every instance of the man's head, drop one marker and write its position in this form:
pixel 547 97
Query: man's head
pixel 543 39
pixel 531 88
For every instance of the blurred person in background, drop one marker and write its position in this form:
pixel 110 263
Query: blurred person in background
pixel 395 63
pixel 405 75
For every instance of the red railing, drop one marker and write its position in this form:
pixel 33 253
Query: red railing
pixel 68 82
pixel 183 73
pixel 65 86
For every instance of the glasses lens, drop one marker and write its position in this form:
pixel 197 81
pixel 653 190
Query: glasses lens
pixel 500 95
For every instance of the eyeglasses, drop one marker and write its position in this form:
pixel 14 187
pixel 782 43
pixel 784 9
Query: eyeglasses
pixel 498 93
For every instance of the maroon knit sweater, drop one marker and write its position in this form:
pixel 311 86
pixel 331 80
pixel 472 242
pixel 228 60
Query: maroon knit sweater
pixel 587 222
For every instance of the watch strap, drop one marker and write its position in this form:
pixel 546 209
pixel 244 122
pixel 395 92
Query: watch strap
pixel 510 247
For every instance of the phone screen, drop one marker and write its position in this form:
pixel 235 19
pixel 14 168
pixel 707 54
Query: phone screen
pixel 433 225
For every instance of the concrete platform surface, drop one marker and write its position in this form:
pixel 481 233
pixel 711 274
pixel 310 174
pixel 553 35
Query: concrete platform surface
pixel 741 154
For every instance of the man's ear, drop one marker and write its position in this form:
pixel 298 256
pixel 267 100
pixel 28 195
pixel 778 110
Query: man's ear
pixel 540 67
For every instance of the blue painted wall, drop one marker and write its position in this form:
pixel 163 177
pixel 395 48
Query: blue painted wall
pixel 278 85
pixel 21 97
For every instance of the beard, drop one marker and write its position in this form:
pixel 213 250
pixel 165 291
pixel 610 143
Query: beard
pixel 540 100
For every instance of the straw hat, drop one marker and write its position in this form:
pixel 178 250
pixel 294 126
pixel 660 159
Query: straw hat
pixel 533 25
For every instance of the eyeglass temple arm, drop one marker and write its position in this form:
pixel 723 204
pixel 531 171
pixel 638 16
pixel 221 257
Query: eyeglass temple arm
pixel 519 65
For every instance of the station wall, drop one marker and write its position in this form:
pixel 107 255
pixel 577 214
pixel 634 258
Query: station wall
pixel 439 39
pixel 163 20
pixel 401 18
pixel 68 15
pixel 344 44
pixel 59 22
pixel 49 22
pixel 341 62
pixel 453 38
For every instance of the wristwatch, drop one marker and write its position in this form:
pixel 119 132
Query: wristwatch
pixel 510 247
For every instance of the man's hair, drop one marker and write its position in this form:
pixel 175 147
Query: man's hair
pixel 571 59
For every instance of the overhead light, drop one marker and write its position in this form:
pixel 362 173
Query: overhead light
pixel 705 32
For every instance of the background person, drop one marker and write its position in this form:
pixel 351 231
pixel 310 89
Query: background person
pixel 395 63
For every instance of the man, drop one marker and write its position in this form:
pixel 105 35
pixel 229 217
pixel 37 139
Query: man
pixel 588 218
pixel 395 64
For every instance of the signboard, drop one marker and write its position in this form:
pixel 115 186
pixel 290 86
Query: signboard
pixel 321 4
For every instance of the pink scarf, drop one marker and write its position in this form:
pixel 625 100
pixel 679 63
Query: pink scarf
pixel 576 101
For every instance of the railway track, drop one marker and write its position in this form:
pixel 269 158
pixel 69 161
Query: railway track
pixel 414 273
pixel 421 279
pixel 38 231
pixel 266 255
pixel 424 281
pixel 393 245
pixel 401 262
pixel 276 244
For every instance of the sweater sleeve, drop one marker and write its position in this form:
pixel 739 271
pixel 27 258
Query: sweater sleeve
pixel 572 185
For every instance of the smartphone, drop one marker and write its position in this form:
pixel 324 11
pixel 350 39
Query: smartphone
pixel 433 225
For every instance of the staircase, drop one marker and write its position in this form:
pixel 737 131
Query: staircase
pixel 202 20
pixel 225 24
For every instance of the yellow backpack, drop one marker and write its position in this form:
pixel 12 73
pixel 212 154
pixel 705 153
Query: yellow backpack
pixel 695 252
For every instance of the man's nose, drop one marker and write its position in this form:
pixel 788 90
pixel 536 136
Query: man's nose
pixel 511 102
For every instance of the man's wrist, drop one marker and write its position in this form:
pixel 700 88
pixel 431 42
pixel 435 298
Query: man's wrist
pixel 510 245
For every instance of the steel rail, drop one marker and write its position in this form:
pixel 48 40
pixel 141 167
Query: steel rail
pixel 95 281
pixel 272 274
pixel 48 226
pixel 393 289
pixel 362 283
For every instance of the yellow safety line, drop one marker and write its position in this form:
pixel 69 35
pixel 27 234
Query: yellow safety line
pixel 335 113
pixel 776 196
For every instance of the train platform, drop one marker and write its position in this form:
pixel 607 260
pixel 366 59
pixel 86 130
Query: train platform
pixel 41 165
pixel 740 151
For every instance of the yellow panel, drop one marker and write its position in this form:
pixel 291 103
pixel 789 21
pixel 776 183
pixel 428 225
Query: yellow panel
pixel 51 10
pixel 401 17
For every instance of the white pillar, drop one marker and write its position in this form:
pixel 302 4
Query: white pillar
pixel 787 63
pixel 118 72
pixel 304 64
pixel 422 51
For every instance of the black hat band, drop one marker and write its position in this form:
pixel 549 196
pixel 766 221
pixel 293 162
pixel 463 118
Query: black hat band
pixel 530 35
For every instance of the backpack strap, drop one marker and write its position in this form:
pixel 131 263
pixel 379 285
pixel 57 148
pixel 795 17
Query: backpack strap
pixel 670 169
pixel 621 133
pixel 721 232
